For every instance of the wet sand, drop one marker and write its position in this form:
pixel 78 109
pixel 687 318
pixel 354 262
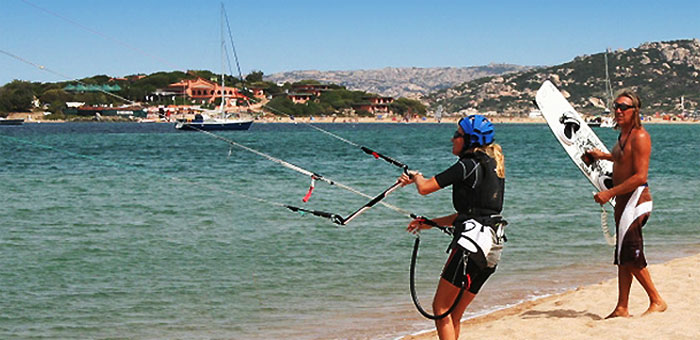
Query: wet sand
pixel 580 313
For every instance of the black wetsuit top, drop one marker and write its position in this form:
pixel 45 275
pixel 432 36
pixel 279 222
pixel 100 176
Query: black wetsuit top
pixel 477 193
pixel 476 188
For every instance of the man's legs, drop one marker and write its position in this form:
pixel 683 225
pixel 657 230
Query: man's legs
pixel 624 282
pixel 656 303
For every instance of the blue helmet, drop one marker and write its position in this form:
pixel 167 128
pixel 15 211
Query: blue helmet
pixel 478 131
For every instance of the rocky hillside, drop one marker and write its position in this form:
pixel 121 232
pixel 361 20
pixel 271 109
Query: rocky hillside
pixel 411 82
pixel 661 72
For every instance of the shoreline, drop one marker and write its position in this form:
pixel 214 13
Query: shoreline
pixel 579 313
pixel 353 120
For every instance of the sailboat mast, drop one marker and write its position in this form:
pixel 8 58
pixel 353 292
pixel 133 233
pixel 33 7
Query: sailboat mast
pixel 608 85
pixel 223 61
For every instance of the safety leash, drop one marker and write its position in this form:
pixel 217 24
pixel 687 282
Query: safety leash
pixel 609 238
pixel 412 275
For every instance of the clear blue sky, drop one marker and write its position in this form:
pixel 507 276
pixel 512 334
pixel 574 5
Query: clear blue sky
pixel 122 37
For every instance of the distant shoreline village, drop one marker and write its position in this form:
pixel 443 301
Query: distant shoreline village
pixel 666 74
pixel 190 96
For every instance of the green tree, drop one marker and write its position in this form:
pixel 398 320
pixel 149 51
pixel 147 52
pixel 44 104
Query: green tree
pixel 56 108
pixel 139 89
pixel 341 98
pixel 281 105
pixel 132 92
pixel 52 95
pixel 208 75
pixel 308 82
pixel 254 76
pixel 310 108
pixel 272 89
pixel 93 98
pixel 336 99
pixel 404 106
pixel 16 96
pixel 97 80
pixel 56 98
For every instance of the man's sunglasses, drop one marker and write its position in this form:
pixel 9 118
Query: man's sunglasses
pixel 622 107
pixel 457 135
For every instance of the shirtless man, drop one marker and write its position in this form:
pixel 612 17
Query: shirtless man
pixel 630 158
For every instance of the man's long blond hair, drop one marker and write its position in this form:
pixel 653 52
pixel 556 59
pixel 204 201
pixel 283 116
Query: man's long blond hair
pixel 495 151
pixel 636 102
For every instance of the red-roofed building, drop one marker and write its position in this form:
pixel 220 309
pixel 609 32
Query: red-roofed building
pixel 300 98
pixel 258 92
pixel 314 89
pixel 375 105
pixel 302 93
pixel 201 89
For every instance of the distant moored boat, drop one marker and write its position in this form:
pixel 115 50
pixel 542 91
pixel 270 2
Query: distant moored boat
pixel 17 121
pixel 212 124
pixel 219 119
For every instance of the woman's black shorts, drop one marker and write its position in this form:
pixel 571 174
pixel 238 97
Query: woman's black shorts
pixel 453 272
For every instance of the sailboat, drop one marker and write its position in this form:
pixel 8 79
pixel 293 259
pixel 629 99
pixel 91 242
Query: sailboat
pixel 438 113
pixel 607 121
pixel 211 120
pixel 604 119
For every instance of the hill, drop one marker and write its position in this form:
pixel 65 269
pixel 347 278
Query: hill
pixel 411 82
pixel 661 72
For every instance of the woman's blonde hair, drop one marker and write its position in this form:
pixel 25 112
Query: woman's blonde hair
pixel 495 151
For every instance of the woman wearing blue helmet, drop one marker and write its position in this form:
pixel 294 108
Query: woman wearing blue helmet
pixel 478 181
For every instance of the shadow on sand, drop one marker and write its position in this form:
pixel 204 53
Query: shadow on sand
pixel 560 313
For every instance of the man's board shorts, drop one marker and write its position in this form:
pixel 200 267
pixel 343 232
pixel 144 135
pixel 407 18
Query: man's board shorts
pixel 475 276
pixel 631 214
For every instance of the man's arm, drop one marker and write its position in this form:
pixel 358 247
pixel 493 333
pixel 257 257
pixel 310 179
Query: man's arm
pixel 591 155
pixel 641 152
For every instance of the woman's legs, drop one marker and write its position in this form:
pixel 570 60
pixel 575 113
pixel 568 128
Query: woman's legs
pixel 466 299
pixel 449 326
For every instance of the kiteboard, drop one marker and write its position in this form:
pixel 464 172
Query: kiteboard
pixel 574 135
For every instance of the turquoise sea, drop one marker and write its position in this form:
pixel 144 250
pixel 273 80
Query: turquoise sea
pixel 139 231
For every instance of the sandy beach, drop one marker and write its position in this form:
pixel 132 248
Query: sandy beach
pixel 579 314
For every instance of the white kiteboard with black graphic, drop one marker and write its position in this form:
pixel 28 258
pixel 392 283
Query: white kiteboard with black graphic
pixel 574 135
